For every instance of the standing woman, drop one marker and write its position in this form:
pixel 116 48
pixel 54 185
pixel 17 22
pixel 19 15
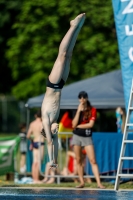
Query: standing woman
pixel 83 123
pixel 55 82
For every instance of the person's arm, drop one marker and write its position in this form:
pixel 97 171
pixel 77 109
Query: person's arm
pixel 76 118
pixel 87 125
pixel 47 127
pixel 91 123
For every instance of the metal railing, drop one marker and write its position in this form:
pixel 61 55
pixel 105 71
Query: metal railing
pixel 60 158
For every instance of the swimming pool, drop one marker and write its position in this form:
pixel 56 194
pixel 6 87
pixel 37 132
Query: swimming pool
pixel 59 194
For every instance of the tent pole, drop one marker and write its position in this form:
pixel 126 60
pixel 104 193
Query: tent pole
pixel 28 119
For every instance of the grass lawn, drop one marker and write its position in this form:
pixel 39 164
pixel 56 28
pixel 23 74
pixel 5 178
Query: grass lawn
pixel 126 185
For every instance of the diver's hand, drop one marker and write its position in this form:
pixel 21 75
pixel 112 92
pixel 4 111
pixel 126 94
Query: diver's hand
pixel 54 128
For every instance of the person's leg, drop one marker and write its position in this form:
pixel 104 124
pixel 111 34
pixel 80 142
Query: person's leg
pixel 66 170
pixel 62 63
pixel 35 172
pixel 79 24
pixel 77 151
pixel 47 172
pixel 87 180
pixel 51 172
pixel 91 156
pixel 75 170
pixel 35 166
pixel 23 163
pixel 52 179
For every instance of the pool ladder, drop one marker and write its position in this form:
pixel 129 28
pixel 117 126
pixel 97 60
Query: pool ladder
pixel 128 129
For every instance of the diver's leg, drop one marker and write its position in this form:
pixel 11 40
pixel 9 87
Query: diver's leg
pixel 70 49
pixel 65 50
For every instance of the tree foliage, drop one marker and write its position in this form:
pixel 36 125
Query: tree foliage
pixel 8 12
pixel 39 28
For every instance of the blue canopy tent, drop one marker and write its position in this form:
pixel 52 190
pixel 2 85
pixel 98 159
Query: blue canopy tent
pixel 105 91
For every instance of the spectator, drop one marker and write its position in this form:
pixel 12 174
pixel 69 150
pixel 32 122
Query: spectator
pixel 34 134
pixel 23 147
pixel 120 116
pixel 70 167
pixel 83 123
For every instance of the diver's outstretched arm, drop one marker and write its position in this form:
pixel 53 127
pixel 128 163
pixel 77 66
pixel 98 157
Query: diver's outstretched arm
pixel 47 128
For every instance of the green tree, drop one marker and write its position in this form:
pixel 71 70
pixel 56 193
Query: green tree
pixel 39 28
pixel 8 13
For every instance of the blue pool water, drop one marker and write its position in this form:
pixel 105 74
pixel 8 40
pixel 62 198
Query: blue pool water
pixel 48 194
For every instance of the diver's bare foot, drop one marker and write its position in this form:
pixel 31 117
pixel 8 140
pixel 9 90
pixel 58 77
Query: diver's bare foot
pixel 78 21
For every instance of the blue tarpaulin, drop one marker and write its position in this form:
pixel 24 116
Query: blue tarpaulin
pixel 107 150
